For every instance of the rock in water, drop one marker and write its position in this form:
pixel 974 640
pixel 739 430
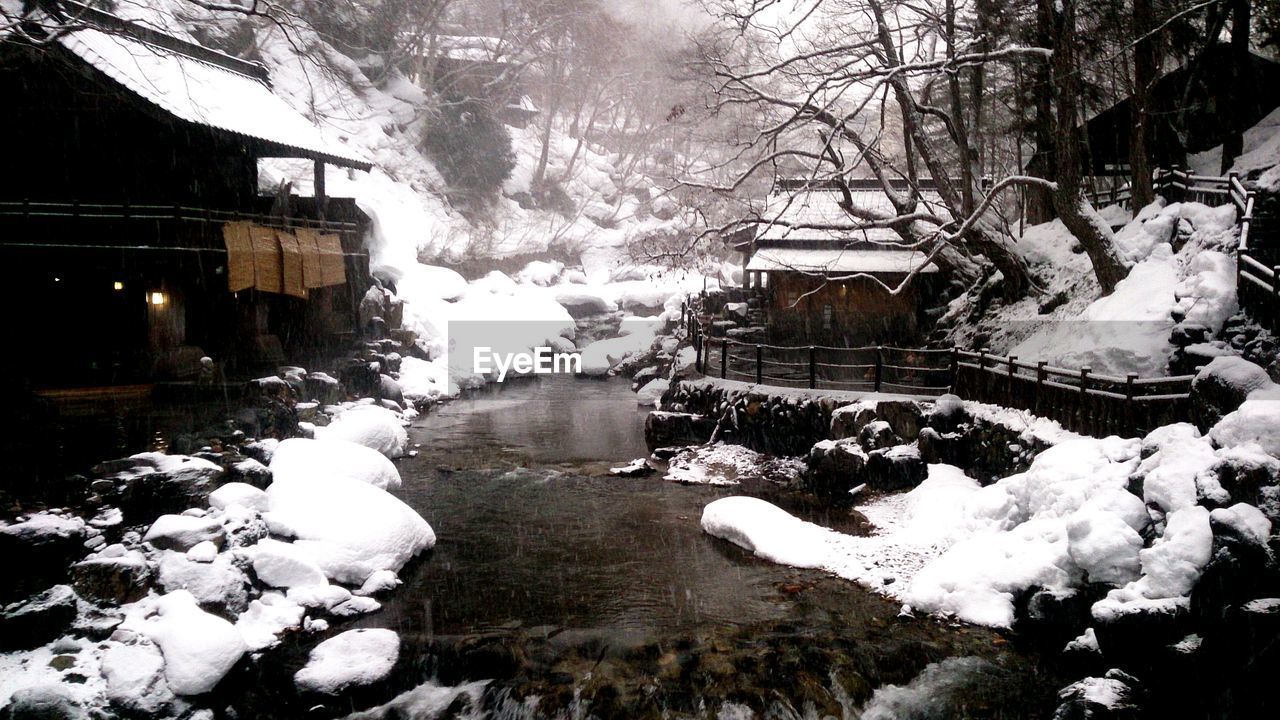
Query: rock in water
pixel 198 648
pixel 675 429
pixel 355 658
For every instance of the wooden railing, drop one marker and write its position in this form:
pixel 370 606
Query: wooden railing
pixel 1082 400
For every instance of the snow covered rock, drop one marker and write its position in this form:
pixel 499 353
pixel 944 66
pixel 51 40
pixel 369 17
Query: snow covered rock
pixel 38 619
pixel 1104 547
pixel 350 529
pixel 135 680
pixel 676 429
pixel 835 467
pixel 198 648
pixel 379 582
pixel 1111 697
pixel 281 565
pixel 767 530
pixel 242 494
pixel 1222 386
pixel 43 702
pixel 149 484
pixel 218 586
pixel 355 658
pixel 651 393
pixel 581 303
pixel 111 577
pixel 372 426
pixel 300 460
pixel 38 550
pixel 896 468
pixel 267 617
pixel 183 532
pixel 1257 420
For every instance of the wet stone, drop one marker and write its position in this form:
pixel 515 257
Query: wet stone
pixel 38 619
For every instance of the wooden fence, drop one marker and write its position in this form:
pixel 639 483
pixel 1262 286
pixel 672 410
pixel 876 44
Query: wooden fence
pixel 1083 401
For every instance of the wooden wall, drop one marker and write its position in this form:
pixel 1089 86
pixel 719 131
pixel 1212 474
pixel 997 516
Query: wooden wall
pixel 861 310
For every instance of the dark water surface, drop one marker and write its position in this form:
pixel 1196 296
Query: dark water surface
pixel 580 594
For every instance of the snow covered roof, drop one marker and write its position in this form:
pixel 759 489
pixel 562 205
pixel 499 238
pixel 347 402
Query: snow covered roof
pixel 199 91
pixel 837 260
pixel 822 207
pixel 475 48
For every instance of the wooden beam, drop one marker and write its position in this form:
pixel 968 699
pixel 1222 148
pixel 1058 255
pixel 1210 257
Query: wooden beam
pixel 321 199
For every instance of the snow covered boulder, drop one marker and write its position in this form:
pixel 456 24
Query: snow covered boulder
pixel 676 429
pixel 38 550
pixel 281 565
pixel 38 619
pixel 581 303
pixel 149 484
pixel 768 531
pixel 113 576
pixel 835 467
pixel 135 679
pixel 51 701
pixel 355 658
pixel 1257 420
pixel 1111 697
pixel 350 529
pixel 217 586
pixel 183 532
pixel 242 494
pixel 198 648
pixel 895 468
pixel 1249 475
pixel 369 425
pixel 652 392
pixel 1222 386
pixel 299 459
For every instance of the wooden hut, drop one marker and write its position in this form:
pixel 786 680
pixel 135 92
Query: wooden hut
pixel 130 215
pixel 835 287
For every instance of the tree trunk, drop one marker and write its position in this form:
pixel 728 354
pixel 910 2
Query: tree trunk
pixel 1233 142
pixel 1043 161
pixel 1068 199
pixel 1146 63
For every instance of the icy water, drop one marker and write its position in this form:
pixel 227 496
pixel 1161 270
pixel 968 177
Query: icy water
pixel 601 596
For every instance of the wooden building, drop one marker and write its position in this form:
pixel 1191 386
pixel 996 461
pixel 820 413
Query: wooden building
pixel 479 67
pixel 832 287
pixel 130 192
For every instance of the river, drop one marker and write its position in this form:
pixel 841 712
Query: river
pixel 602 596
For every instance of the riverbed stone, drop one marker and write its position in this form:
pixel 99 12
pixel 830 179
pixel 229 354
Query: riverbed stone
pixel 1114 696
pixel 218 587
pixel 37 552
pixel 112 578
pixel 905 417
pixel 895 468
pixel 848 421
pixel 183 532
pixel 38 619
pixel 1221 386
pixel 322 388
pixel 835 467
pixel 42 702
pixel 673 429
pixel 147 485
pixel 876 435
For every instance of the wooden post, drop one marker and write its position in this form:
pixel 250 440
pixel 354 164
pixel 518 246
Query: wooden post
pixel 1128 400
pixel 724 358
pixel 321 199
pixel 813 367
pixel 699 363
pixel 1275 282
pixel 1084 380
pixel 759 364
pixel 879 367
pixel 1013 368
pixel 955 368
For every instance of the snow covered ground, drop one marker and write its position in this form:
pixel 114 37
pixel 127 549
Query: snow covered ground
pixel 1128 330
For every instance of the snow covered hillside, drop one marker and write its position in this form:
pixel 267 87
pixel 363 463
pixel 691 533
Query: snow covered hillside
pixel 1182 272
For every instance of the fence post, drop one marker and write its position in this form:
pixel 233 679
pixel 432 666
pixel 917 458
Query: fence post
pixel 1275 282
pixel 879 367
pixel 1013 369
pixel 1084 380
pixel 955 368
pixel 759 364
pixel 813 367
pixel 724 358
pixel 1128 401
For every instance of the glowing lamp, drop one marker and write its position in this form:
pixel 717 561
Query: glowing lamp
pixel 157 298
pixel 117 285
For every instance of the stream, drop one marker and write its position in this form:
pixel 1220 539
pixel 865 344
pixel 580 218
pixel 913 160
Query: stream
pixel 585 594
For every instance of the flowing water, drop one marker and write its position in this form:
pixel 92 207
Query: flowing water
pixel 601 596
